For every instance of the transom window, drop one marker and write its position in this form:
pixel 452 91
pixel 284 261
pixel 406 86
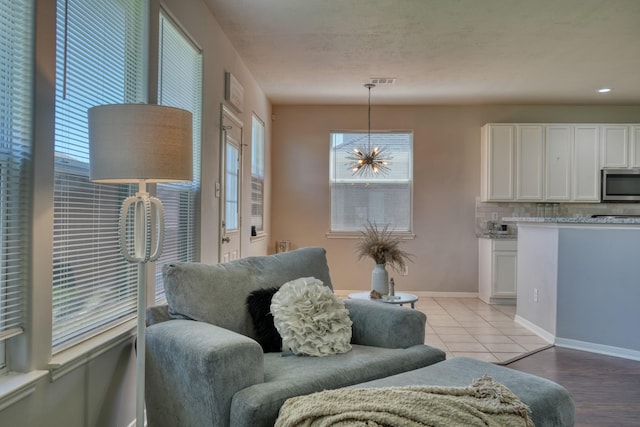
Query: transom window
pixel 381 198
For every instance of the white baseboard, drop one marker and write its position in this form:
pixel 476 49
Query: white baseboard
pixel 435 294
pixel 608 350
pixel 545 335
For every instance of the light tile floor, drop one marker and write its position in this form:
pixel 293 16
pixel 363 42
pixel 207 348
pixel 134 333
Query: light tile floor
pixel 470 327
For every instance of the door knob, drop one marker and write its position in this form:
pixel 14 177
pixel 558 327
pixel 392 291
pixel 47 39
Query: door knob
pixel 226 239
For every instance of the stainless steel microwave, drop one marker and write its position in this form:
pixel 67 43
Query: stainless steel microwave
pixel 620 185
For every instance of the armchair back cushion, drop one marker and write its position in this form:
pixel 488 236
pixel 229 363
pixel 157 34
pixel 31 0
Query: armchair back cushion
pixel 217 293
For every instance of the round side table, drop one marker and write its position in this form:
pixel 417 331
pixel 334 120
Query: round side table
pixel 400 298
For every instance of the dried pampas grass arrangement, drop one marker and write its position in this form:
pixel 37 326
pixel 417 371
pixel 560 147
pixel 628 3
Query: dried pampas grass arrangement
pixel 383 247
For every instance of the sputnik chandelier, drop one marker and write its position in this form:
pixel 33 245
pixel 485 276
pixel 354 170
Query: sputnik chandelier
pixel 368 161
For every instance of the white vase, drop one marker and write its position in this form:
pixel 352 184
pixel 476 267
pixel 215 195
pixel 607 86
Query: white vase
pixel 380 279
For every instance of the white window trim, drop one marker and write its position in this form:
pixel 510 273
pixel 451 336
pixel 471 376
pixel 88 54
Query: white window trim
pixel 357 235
pixel 192 189
pixel 409 235
pixel 15 387
pixel 80 354
pixel 260 234
pixel 16 384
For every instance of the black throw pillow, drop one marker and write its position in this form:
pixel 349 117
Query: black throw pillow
pixel 259 305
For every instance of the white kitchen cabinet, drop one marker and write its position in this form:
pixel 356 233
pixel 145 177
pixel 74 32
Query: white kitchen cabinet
pixel 497 270
pixel 558 146
pixel 537 162
pixel 497 162
pixel 635 146
pixel 614 146
pixel 586 173
pixel 530 162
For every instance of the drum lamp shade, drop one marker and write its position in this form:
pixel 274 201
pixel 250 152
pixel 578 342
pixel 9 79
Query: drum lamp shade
pixel 130 143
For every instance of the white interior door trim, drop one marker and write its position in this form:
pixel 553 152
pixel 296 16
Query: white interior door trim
pixel 230 244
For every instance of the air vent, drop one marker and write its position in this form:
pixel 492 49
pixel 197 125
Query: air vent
pixel 382 81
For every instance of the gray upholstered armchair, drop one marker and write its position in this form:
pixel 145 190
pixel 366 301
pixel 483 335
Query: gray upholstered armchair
pixel 204 367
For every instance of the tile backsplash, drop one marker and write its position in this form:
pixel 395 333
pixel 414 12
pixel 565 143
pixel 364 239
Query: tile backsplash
pixel 485 211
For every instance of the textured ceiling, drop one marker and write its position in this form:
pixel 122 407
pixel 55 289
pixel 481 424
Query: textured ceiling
pixel 440 51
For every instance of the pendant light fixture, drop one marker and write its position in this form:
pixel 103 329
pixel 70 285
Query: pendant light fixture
pixel 369 161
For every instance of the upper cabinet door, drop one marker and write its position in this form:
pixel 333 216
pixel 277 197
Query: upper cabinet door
pixel 558 162
pixel 497 162
pixel 530 163
pixel 586 174
pixel 635 146
pixel 614 144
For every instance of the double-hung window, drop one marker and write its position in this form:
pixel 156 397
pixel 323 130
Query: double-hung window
pixel 180 85
pixel 257 175
pixel 16 75
pixel 99 60
pixel 381 198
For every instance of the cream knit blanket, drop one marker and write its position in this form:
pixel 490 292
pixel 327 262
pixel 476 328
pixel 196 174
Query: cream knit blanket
pixel 484 403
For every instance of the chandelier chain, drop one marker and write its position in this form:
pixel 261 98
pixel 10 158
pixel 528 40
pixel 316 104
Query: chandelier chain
pixel 369 162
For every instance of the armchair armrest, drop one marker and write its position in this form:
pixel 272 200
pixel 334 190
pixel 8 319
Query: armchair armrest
pixel 193 369
pixel 157 314
pixel 385 325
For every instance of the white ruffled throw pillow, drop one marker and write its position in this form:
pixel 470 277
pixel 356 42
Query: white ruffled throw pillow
pixel 310 319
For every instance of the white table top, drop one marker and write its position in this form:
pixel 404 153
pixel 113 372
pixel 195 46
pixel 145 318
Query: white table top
pixel 400 297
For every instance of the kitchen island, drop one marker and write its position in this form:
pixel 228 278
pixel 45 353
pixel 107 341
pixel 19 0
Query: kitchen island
pixel 579 282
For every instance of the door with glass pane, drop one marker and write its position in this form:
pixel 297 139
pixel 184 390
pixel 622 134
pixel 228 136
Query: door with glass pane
pixel 230 197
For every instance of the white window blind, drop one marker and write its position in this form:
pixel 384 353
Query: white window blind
pixel 180 85
pixel 99 60
pixel 383 198
pixel 16 74
pixel 257 174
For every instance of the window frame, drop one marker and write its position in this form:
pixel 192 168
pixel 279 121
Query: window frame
pixel 180 200
pixel 96 216
pixel 16 175
pixel 355 232
pixel 257 170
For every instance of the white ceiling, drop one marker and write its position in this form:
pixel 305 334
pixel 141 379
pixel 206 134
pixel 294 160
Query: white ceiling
pixel 440 51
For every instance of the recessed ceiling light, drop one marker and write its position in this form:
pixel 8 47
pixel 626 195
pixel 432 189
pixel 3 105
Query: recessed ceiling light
pixel 604 90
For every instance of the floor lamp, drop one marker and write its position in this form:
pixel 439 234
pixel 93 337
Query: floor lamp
pixel 140 143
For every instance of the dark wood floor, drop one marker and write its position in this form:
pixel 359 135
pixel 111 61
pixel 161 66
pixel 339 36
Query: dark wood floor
pixel 605 389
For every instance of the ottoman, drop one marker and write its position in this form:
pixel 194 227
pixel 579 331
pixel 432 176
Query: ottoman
pixel 549 402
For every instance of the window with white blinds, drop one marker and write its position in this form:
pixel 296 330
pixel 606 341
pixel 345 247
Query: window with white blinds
pixel 16 75
pixel 257 174
pixel 180 85
pixel 381 199
pixel 99 60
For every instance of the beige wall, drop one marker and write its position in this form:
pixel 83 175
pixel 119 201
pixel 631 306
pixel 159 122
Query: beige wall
pixel 220 56
pixel 446 182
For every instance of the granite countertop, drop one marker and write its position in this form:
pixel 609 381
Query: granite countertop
pixel 557 220
pixel 582 220
pixel 497 236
